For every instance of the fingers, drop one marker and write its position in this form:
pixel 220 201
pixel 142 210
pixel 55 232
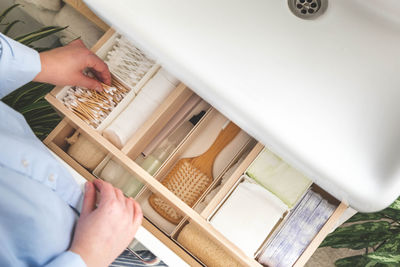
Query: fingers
pixel 76 42
pixel 106 190
pixel 137 218
pixel 100 68
pixel 89 201
pixel 88 82
pixel 120 196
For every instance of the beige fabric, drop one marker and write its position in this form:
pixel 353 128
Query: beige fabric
pixel 53 5
pixel 88 154
pixel 78 26
pixel 326 257
pixel 43 16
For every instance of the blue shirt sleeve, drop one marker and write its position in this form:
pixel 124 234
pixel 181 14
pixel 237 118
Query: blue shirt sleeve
pixel 19 64
pixel 67 259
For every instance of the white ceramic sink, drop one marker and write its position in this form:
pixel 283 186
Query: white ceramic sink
pixel 323 94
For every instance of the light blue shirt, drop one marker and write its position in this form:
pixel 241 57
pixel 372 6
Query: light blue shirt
pixel 38 197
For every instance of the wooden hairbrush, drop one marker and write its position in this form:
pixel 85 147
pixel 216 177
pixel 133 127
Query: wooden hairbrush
pixel 190 177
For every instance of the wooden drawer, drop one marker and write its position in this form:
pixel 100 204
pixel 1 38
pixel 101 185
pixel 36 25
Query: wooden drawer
pixel 127 154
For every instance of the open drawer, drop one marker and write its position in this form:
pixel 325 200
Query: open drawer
pixel 92 153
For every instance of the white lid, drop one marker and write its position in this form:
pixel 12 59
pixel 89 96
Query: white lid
pixel 322 94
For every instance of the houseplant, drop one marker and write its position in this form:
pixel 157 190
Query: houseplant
pixel 378 234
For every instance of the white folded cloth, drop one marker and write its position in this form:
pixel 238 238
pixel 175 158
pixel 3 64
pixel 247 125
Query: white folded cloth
pixel 248 216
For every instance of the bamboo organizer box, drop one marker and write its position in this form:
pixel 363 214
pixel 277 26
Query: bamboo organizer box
pixel 132 149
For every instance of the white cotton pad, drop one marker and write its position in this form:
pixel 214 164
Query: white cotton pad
pixel 140 109
pixel 248 216
pixel 278 177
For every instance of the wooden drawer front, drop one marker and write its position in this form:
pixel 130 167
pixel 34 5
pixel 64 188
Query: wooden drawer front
pixel 126 156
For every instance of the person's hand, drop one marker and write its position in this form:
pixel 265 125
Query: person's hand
pixel 102 233
pixel 65 66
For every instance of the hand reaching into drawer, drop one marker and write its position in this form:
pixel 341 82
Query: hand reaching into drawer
pixel 65 66
pixel 102 233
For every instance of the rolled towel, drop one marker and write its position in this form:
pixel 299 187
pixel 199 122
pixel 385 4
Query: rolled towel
pixel 248 216
pixel 84 152
pixel 278 177
pixel 197 242
pixel 140 109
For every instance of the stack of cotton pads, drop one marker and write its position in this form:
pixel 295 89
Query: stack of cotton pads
pixel 304 222
pixel 278 177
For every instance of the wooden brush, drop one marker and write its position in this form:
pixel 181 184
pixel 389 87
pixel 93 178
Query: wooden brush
pixel 190 177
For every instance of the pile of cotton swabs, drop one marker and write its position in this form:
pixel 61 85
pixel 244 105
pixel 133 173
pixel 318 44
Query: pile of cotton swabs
pixel 127 62
pixel 92 106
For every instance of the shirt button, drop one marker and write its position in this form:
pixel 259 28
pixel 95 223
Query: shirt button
pixel 51 178
pixel 25 163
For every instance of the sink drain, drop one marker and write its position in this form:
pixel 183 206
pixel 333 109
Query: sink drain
pixel 308 9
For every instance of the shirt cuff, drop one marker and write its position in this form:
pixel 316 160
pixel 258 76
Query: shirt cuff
pixel 19 64
pixel 67 259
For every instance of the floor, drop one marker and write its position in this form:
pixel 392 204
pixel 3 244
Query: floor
pixel 29 24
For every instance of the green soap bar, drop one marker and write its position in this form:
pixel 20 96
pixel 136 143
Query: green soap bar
pixel 278 177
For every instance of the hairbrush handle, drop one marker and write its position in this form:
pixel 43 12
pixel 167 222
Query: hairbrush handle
pixel 223 139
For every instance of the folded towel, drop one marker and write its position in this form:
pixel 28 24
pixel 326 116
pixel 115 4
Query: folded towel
pixel 248 216
pixel 278 177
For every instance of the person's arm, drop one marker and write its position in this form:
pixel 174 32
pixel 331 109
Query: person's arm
pixel 102 232
pixel 20 64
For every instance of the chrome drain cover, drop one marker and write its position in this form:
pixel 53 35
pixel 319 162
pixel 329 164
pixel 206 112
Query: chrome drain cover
pixel 308 9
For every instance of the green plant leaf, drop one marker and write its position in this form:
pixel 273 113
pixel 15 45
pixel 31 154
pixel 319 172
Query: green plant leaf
pixel 354 261
pixel 33 106
pixel 9 26
pixel 358 236
pixel 35 87
pixel 391 245
pixel 365 217
pixel 393 214
pixel 5 12
pixel 384 257
pixel 37 35
pixel 395 205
